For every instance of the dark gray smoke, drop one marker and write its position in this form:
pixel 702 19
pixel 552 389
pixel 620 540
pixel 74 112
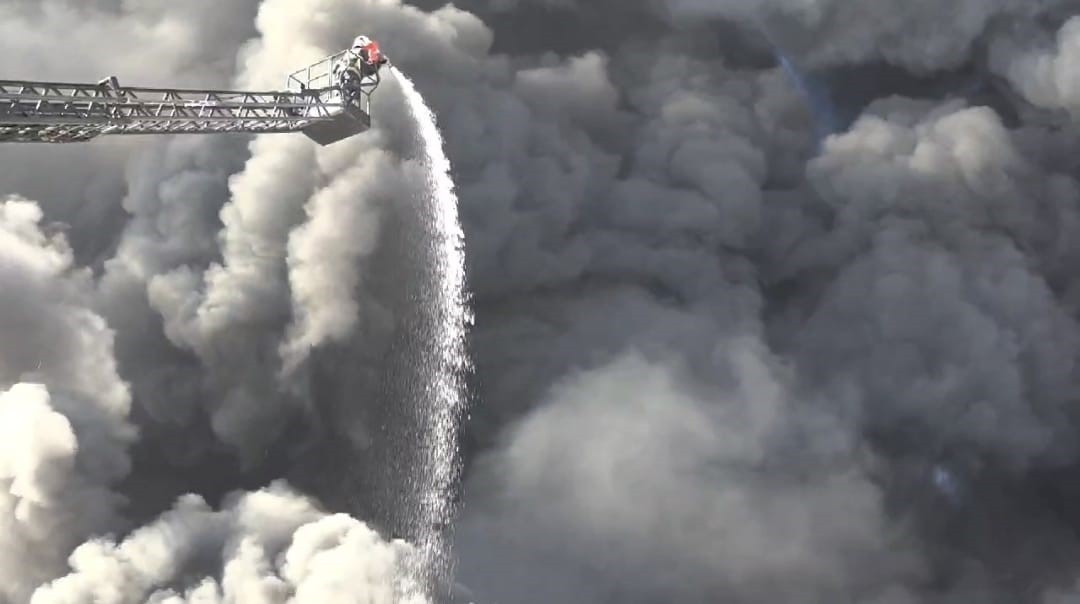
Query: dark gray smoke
pixel 715 360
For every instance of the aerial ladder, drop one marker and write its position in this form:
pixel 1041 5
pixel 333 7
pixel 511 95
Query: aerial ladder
pixel 325 101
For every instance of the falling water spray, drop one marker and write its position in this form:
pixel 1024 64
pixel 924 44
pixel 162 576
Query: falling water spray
pixel 813 91
pixel 440 460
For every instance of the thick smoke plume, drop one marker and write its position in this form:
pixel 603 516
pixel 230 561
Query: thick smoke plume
pixel 273 546
pixel 715 359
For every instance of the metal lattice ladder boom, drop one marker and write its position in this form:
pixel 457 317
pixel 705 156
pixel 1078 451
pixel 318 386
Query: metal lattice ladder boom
pixel 64 112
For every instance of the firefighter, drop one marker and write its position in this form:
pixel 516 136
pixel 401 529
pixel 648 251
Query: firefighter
pixel 364 61
pixel 368 57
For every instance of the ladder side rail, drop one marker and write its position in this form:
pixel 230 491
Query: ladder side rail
pixel 65 112
pixel 253 106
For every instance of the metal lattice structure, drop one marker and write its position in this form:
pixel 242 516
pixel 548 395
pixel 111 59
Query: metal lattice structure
pixel 65 113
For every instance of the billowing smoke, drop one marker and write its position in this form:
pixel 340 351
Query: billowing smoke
pixel 1041 67
pixel 272 546
pixel 65 444
pixel 715 360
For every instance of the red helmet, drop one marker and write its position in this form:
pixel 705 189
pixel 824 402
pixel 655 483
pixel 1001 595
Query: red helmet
pixel 374 55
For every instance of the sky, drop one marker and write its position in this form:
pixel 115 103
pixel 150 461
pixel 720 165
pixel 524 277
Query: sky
pixel 774 302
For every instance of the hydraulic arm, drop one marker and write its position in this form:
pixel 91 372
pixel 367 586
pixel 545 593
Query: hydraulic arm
pixel 315 104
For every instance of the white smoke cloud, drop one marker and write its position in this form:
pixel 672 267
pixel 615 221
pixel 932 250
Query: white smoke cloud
pixel 949 165
pixel 326 253
pixel 63 441
pixel 66 41
pixel 1044 73
pixel 297 230
pixel 945 339
pixel 638 472
pixel 273 546
pixel 53 495
pixel 955 173
pixel 151 43
pixel 293 257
